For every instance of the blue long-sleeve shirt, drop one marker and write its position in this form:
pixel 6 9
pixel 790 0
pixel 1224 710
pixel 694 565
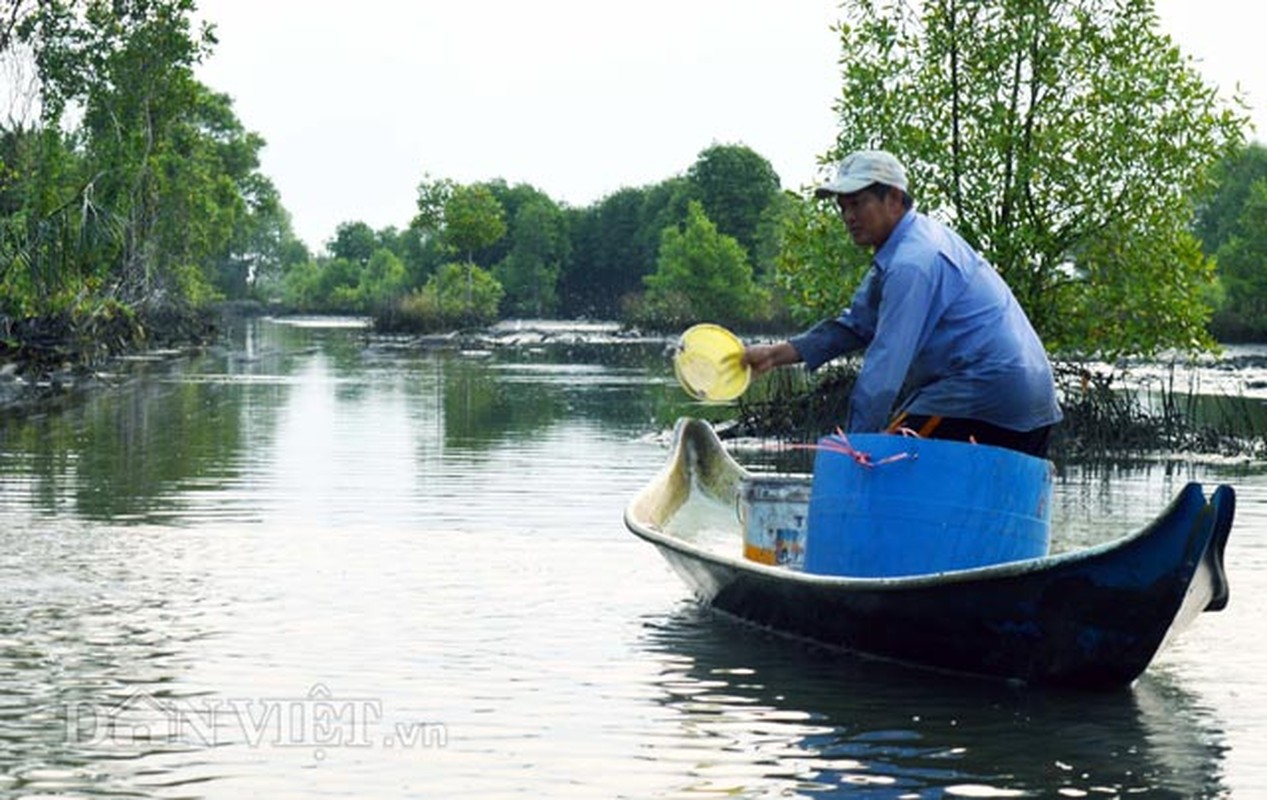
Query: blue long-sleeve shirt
pixel 942 331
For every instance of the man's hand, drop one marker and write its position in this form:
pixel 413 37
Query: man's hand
pixel 765 357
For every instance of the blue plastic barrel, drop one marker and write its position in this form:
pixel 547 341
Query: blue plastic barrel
pixel 936 506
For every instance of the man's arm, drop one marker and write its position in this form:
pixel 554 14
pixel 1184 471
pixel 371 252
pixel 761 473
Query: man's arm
pixel 830 338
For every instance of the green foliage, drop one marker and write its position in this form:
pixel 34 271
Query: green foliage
pixel 769 237
pixel 433 195
pixel 512 200
pixel 615 243
pixel 664 205
pixel 385 281
pixel 1232 224
pixel 701 275
pixel 736 186
pixel 530 271
pixel 453 219
pixel 353 241
pixel 1219 212
pixel 1242 261
pixel 341 285
pixel 811 237
pixel 457 295
pixel 141 108
pixel 264 246
pixel 607 263
pixel 153 198
pixel 339 279
pixel 301 286
pixel 55 238
pixel 472 219
pixel 1137 312
pixel 1063 138
pixel 364 272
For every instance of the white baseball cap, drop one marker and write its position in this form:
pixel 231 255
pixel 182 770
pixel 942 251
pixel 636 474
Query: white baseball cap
pixel 861 169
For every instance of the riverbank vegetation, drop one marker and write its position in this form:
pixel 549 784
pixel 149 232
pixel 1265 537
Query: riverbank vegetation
pixel 1080 151
pixel 1108 414
pixel 130 194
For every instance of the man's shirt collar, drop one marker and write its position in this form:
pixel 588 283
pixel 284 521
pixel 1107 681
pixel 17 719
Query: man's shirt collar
pixel 885 254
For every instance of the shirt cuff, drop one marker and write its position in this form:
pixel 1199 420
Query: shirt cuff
pixel 825 341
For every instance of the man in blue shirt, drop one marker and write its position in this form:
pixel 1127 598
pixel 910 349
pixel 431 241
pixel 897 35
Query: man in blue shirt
pixel 949 351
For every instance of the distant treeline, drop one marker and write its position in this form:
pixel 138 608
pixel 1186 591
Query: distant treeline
pixel 708 244
pixel 700 245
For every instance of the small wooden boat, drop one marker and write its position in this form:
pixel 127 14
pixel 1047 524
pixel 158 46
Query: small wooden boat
pixel 1091 618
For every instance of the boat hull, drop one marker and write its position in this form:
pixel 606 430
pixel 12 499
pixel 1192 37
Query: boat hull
pixel 1093 618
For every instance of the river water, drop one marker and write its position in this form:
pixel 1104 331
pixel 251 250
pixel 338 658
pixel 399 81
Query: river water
pixel 312 563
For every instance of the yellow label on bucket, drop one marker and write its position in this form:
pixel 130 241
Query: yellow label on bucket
pixel 759 554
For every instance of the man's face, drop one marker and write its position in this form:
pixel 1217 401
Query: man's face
pixel 870 219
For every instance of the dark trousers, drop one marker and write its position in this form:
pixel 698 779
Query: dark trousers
pixel 959 429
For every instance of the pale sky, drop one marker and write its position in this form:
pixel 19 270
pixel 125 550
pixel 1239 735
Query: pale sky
pixel 580 98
